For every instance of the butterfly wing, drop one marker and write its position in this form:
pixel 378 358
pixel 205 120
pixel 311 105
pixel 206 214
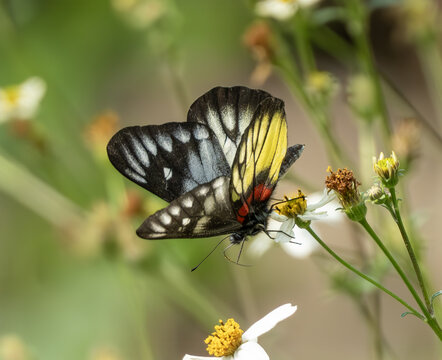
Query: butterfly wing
pixel 168 160
pixel 257 164
pixel 202 212
pixel 293 153
pixel 228 112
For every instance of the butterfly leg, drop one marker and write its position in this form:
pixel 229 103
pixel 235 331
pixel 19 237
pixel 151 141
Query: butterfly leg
pixel 283 232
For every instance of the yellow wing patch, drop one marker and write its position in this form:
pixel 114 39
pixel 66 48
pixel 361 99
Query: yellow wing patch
pixel 261 151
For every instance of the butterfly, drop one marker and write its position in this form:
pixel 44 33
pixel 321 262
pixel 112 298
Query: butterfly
pixel 217 170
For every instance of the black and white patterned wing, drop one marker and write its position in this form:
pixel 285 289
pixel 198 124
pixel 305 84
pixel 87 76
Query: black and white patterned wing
pixel 202 212
pixel 227 112
pixel 168 160
pixel 293 154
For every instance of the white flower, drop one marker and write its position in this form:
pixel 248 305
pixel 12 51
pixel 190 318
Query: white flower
pixel 301 244
pixel 281 9
pixel 21 101
pixel 248 342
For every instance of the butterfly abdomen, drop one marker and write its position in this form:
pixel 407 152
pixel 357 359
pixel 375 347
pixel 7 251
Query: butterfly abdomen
pixel 260 194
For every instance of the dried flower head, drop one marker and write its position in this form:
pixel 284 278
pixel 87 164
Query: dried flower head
pixel 387 169
pixel 258 39
pixel 345 185
pixel 98 133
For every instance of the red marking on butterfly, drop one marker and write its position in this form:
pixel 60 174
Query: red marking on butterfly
pixel 260 193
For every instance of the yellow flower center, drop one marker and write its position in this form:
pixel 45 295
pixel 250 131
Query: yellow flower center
pixel 294 206
pixel 12 94
pixel 225 339
pixel 386 168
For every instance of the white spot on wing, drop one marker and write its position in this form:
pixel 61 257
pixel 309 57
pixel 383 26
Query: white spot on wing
pixel 133 163
pixel 229 149
pixel 166 219
pixel 203 221
pixel 220 195
pixel 140 152
pixel 133 175
pixel 196 168
pixel 174 210
pixel 228 115
pixel 165 142
pixel 188 202
pixel 208 159
pixel 156 227
pixel 200 132
pixel 149 144
pixel 167 173
pixel 218 182
pixel 209 205
pixel 182 135
pixel 203 190
pixel 186 221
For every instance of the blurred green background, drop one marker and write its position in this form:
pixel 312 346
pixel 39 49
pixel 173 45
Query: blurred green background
pixel 67 301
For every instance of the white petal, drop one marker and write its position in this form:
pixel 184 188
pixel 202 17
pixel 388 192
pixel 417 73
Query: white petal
pixel 278 217
pixel 268 322
pixel 277 9
pixel 194 357
pixel 314 215
pixel 286 231
pixel 250 351
pixel 307 247
pixel 317 200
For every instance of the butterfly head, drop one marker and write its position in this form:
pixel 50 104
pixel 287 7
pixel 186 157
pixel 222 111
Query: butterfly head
pixel 254 224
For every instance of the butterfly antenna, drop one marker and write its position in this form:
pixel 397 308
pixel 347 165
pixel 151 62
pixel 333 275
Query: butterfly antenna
pixel 210 253
pixel 286 199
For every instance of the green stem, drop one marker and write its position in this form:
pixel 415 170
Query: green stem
pixel 319 116
pixel 359 27
pixel 304 48
pixel 400 224
pixel 136 308
pixel 430 57
pixel 35 194
pixel 429 319
pixel 362 275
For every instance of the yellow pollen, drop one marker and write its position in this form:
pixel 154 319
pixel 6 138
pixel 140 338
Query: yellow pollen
pixel 12 95
pixel 294 206
pixel 225 339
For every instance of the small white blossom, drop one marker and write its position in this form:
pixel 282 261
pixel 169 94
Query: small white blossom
pixel 249 347
pixel 320 206
pixel 281 9
pixel 21 101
